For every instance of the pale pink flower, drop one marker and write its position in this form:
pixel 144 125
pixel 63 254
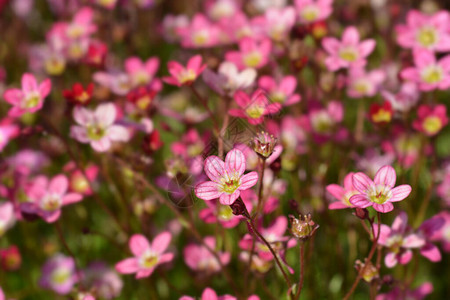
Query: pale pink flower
pixel 380 192
pixel 118 83
pixel 276 23
pixel 255 108
pixel 210 294
pixel 82 24
pixel 146 256
pixel 184 75
pixel 364 84
pixel 30 99
pixel 427 32
pixel 200 259
pixel 350 52
pixel 199 33
pixel 251 54
pixel 311 11
pixel 428 73
pixel 97 127
pixel 398 292
pixel 7 217
pixel 405 99
pixel 171 25
pixel 141 73
pixel 227 178
pixel 280 92
pixel 8 130
pixel 47 197
pixel 342 194
pixel 59 274
pixel 430 120
pixel 221 9
pixel 399 240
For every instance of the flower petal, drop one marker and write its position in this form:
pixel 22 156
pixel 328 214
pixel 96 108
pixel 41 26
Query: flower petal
pixel 360 201
pixel 361 182
pixel 161 242
pixel 127 266
pixel 58 185
pixel 400 192
pixel 214 168
pixel 384 208
pixel 228 199
pixel 138 244
pixel 207 190
pixel 235 161
pixel 385 175
pixel 248 180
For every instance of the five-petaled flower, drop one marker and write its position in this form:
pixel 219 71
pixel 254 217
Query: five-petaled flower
pixel 184 75
pixel 380 192
pixel 227 178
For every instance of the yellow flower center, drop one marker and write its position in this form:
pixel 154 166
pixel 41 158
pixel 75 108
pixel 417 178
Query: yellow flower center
pixel 252 59
pixel 432 74
pixel 32 100
pixel 379 193
pixel 310 13
pixel 95 132
pixel 200 38
pixel 254 111
pixel 149 259
pixel 382 116
pixel 348 54
pixel 432 125
pixel 187 76
pixel 427 36
pixel 60 276
pixel 51 203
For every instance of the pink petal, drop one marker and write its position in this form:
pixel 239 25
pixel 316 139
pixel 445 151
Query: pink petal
pixel 133 64
pixel 385 175
pixel 82 116
pixel 390 260
pixel 235 162
pixel 138 244
pixel 337 205
pixel 161 242
pixel 208 190
pixel 209 294
pixel 52 217
pixel 336 191
pixel 228 199
pixel 431 252
pixel 144 273
pixel 29 83
pixel 214 168
pixel 194 63
pixel 101 145
pixel 58 185
pixel 350 36
pixel 361 182
pixel 385 232
pixel 13 96
pixel 331 45
pixel 127 266
pixel 242 99
pixel 384 208
pixel 248 180
pixel 105 114
pixel 166 257
pixel 118 133
pixel 71 198
pixel 360 201
pixel 400 192
pixel 400 222
pixel 405 257
pixel 366 47
pixel 413 241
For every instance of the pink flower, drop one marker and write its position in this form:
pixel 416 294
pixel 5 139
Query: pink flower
pixel 8 130
pixel 311 11
pixel 380 192
pixel 255 108
pixel 281 92
pixel 405 99
pixel 349 52
pixel 7 217
pixel 426 32
pixel 399 240
pixel 443 233
pixel 430 120
pixel 48 197
pixel 428 73
pixel 146 256
pixel 81 25
pixel 184 75
pixel 97 127
pixel 30 99
pixel 276 23
pixel 141 73
pixel 221 9
pixel 227 178
pixel 200 259
pixel 398 292
pixel 78 182
pixel 223 214
pixel 210 294
pixel 58 274
pixel 343 194
pixel 200 33
pixel 251 54
pixel 429 229
pixel 364 84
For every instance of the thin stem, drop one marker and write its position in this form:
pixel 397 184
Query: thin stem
pixel 226 120
pixel 302 270
pixel 369 257
pixel 205 105
pixel 260 189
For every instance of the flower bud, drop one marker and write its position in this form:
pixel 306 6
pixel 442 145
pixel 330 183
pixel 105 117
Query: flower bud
pixel 303 228
pixel 362 213
pixel 370 272
pixel 263 144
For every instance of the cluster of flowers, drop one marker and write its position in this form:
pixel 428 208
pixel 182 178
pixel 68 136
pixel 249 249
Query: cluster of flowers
pixel 254 123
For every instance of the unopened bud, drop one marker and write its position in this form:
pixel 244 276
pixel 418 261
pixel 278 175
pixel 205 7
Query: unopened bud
pixel 362 213
pixel 370 272
pixel 263 144
pixel 239 209
pixel 303 228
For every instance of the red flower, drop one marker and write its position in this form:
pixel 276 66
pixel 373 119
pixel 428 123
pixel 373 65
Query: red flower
pixel 10 258
pixel 381 114
pixel 96 54
pixel 142 97
pixel 152 142
pixel 78 95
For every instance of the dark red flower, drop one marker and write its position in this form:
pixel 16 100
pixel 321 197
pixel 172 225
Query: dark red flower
pixel 381 114
pixel 78 94
pixel 96 54
pixel 152 142
pixel 10 258
pixel 142 97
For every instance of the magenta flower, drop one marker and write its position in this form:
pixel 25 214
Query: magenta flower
pixel 82 24
pixel 426 32
pixel 227 178
pixel 251 54
pixel 430 120
pixel 210 294
pixel 223 214
pixel 30 99
pixel 97 127
pixel 8 130
pixel 364 84
pixel 58 274
pixel 255 108
pixel 350 52
pixel 199 33
pixel 380 192
pixel 427 231
pixel 199 258
pixel 399 240
pixel 342 194
pixel 184 75
pixel 7 217
pixel 443 233
pixel 141 73
pixel 398 292
pixel 311 11
pixel 48 197
pixel 428 73
pixel 282 92
pixel 146 256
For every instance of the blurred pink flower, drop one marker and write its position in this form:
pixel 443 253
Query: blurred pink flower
pixel 251 54
pixel 7 217
pixel 30 99
pixel 146 256
pixel 229 79
pixel 141 73
pixel 227 178
pixel 428 73
pixel 58 274
pixel 200 259
pixel 97 127
pixel 430 120
pixel 199 33
pixel 350 52
pixel 398 292
pixel 380 192
pixel 428 32
pixel 342 194
pixel 276 23
pixel 184 75
pixel 47 197
pixel 210 294
pixel 364 84
pixel 8 131
pixel 311 11
pixel 280 92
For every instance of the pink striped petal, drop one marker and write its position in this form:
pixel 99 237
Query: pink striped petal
pixel 138 244
pixel 337 205
pixel 385 175
pixel 384 208
pixel 228 199
pixel 361 182
pixel 248 180
pixel 235 162
pixel 400 192
pixel 161 242
pixel 360 201
pixel 214 168
pixel 207 190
